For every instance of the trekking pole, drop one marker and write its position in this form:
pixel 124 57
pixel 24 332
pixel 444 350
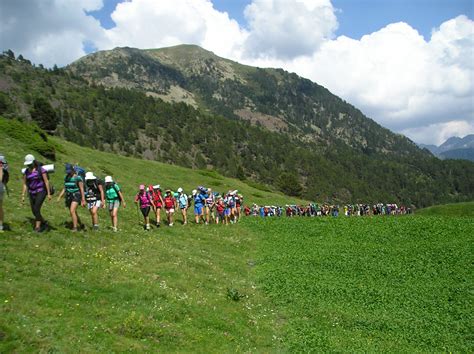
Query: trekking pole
pixel 138 214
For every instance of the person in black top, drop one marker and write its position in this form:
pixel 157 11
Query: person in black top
pixel 95 197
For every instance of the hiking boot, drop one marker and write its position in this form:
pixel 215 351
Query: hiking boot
pixel 114 229
pixel 95 227
pixel 171 224
pixel 74 229
pixel 148 227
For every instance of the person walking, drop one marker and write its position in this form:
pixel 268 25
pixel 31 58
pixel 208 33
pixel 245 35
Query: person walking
pixel 157 201
pixel 145 201
pixel 114 199
pixel 4 176
pixel 35 181
pixel 95 197
pixel 183 205
pixel 170 203
pixel 74 190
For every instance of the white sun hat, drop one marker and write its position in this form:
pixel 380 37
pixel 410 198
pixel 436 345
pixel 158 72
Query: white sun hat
pixel 90 175
pixel 29 159
pixel 108 179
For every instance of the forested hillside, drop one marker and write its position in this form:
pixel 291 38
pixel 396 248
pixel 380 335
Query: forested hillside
pixel 130 122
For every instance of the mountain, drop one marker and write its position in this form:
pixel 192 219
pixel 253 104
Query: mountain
pixel 273 98
pixel 114 106
pixel 454 148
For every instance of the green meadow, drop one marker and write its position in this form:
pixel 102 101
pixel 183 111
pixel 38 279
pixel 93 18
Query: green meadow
pixel 397 284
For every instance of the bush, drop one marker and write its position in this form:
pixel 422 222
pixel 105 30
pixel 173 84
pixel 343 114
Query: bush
pixel 29 134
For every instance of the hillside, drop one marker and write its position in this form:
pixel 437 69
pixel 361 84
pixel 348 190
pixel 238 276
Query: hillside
pixel 263 285
pixel 457 209
pixel 129 122
pixel 278 100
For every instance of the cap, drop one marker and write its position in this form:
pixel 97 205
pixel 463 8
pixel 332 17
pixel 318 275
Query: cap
pixel 29 159
pixel 68 168
pixel 180 190
pixel 2 159
pixel 156 186
pixel 108 179
pixel 194 192
pixel 168 191
pixel 142 187
pixel 90 175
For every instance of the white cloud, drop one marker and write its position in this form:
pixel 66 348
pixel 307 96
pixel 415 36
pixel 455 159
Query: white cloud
pixel 49 31
pixel 155 24
pixel 438 133
pixel 396 77
pixel 284 29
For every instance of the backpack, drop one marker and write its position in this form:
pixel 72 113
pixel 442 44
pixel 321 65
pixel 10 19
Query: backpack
pixel 92 191
pixel 52 190
pixel 80 172
pixel 6 174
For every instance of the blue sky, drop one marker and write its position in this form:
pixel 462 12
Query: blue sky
pixel 356 17
pixel 407 64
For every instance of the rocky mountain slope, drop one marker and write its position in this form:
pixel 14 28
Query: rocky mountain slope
pixel 273 98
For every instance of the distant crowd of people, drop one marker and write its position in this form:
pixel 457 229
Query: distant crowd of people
pixel 314 209
pixel 81 188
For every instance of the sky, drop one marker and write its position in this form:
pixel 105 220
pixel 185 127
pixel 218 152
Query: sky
pixel 407 64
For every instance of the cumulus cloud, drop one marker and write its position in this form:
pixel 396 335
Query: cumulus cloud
pixel 438 133
pixel 399 79
pixel 284 29
pixel 155 24
pixel 49 31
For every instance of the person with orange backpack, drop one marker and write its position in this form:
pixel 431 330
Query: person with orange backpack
pixel 145 201
pixel 170 204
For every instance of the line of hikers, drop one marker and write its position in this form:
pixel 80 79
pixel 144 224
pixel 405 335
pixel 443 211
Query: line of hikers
pixel 85 189
pixel 314 209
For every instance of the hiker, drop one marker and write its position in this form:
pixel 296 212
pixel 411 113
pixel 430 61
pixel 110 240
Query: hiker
pixel 198 198
pixel 114 198
pixel 145 201
pixel 4 176
pixel 220 209
pixel 170 203
pixel 183 205
pixel 209 202
pixel 238 205
pixel 157 201
pixel 35 181
pixel 95 197
pixel 74 190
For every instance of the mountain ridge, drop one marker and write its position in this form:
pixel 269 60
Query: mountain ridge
pixel 191 74
pixel 454 148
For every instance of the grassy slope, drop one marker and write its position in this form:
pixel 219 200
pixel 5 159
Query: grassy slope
pixel 144 291
pixel 398 284
pixel 457 209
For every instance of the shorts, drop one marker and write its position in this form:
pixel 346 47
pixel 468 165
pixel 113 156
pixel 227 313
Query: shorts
pixel 221 215
pixel 113 204
pixel 198 209
pixel 145 211
pixel 169 211
pixel 93 204
pixel 227 212
pixel 73 198
pixel 2 191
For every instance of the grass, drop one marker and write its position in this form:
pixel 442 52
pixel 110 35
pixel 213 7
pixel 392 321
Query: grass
pixel 397 284
pixel 458 209
pixel 301 284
